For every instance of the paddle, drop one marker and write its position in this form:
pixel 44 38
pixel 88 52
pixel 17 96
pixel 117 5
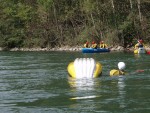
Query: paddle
pixel 139 70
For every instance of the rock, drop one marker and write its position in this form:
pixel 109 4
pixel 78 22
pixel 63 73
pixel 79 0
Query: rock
pixel 120 48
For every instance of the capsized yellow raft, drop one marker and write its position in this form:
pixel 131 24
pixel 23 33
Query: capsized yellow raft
pixel 84 68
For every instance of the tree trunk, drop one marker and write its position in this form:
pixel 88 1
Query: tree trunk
pixel 112 3
pixel 131 5
pixel 139 8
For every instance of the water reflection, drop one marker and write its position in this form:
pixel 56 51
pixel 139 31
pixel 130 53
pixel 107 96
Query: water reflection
pixel 121 91
pixel 83 88
pixel 137 56
pixel 142 55
pixel 83 93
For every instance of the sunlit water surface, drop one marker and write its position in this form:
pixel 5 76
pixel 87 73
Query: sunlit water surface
pixel 37 82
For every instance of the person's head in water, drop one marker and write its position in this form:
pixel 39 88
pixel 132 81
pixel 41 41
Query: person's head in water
pixel 121 66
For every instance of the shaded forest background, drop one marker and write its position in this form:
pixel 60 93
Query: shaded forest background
pixel 56 23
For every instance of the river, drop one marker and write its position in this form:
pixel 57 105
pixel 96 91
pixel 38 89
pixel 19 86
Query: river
pixel 38 82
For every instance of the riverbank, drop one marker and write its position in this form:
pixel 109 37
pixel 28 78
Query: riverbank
pixel 64 48
pixel 68 48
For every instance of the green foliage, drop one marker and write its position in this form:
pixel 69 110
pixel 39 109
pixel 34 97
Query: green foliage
pixel 50 23
pixel 14 23
pixel 88 6
pixel 111 39
pixel 47 4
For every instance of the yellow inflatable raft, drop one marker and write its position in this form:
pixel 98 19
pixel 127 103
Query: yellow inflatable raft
pixel 84 68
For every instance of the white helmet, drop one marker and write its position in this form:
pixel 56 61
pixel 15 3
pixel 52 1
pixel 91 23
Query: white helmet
pixel 121 65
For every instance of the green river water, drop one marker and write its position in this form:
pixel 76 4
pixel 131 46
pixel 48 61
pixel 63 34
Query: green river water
pixel 37 82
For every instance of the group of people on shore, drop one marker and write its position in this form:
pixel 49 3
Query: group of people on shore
pixel 95 45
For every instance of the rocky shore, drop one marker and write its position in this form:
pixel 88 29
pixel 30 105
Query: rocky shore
pixel 64 48
pixel 67 48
